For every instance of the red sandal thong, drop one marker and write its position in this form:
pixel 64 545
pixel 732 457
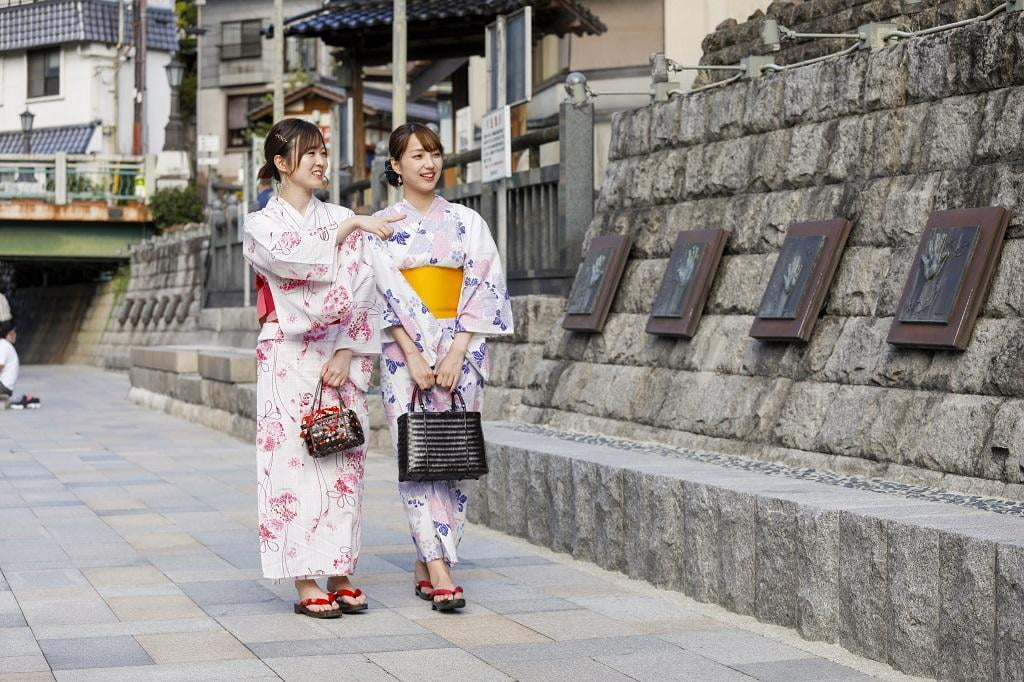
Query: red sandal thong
pixel 345 606
pixel 425 596
pixel 447 604
pixel 302 607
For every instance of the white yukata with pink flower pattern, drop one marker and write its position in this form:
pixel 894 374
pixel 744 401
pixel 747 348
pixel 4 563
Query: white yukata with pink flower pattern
pixel 325 296
pixel 451 236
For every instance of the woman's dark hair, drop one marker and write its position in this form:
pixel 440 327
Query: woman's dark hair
pixel 290 138
pixel 399 141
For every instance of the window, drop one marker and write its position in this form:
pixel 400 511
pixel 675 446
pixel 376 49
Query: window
pixel 241 39
pixel 44 73
pixel 239 107
pixel 300 54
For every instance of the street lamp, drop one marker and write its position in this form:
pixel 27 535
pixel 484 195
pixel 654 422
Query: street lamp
pixel 27 117
pixel 174 132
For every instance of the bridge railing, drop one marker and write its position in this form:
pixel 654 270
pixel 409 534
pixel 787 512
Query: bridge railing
pixel 65 178
pixel 547 208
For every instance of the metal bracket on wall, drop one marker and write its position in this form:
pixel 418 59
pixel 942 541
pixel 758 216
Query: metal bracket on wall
pixel 872 36
pixel 875 36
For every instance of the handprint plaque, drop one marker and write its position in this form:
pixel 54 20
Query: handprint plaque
pixel 949 278
pixel 800 280
pixel 596 281
pixel 684 288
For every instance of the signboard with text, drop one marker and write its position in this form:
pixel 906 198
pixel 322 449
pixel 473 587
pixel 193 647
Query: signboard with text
pixel 496 145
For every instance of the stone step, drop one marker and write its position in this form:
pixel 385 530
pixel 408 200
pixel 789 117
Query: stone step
pixel 928 584
pixel 231 365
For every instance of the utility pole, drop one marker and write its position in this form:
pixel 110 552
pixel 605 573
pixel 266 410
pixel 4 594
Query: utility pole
pixel 139 34
pixel 278 61
pixel 399 33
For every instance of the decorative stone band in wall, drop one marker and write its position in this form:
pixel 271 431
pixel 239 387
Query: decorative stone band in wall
pixel 171 307
pixel 147 311
pixel 137 305
pixel 160 308
pixel 949 279
pixel 679 303
pixel 182 312
pixel 596 282
pixel 800 280
pixel 123 310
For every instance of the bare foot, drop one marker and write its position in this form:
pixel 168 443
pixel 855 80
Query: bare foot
pixel 441 578
pixel 341 582
pixel 308 589
pixel 423 574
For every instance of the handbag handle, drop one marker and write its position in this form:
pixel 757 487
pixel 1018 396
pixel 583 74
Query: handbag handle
pixel 416 392
pixel 318 402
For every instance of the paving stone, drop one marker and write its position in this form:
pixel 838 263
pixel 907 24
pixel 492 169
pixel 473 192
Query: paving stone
pixel 356 667
pixel 348 645
pixel 15 666
pixel 273 628
pixel 188 647
pixel 670 665
pixel 734 647
pixel 801 670
pixel 167 607
pixel 471 631
pixel 173 672
pixel 125 575
pixel 575 648
pixel 17 641
pixel 93 652
pixel 579 624
pixel 577 669
pixel 445 664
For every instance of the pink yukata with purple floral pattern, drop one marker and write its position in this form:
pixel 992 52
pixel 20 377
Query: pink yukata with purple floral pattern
pixel 325 296
pixel 451 236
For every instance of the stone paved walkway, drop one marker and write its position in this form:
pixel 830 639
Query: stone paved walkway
pixel 128 552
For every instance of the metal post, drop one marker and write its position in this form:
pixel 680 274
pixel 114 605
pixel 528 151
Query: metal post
pixel 501 193
pixel 378 188
pixel 398 74
pixel 139 129
pixel 277 63
pixel 60 178
pixel 334 162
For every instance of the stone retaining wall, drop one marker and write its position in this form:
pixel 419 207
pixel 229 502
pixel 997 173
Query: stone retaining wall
pixel 880 138
pixel 732 41
pixel 931 589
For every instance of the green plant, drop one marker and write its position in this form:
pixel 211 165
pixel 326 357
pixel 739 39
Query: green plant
pixel 176 206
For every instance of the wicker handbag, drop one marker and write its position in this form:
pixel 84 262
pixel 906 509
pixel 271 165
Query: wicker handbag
pixel 440 446
pixel 330 430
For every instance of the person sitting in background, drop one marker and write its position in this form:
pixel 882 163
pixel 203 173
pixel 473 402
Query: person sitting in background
pixel 9 368
pixel 264 191
pixel 5 309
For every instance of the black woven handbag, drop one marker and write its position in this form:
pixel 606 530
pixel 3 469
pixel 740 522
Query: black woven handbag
pixel 440 446
pixel 330 430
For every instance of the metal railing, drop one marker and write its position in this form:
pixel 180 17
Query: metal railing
pixel 63 178
pixel 548 208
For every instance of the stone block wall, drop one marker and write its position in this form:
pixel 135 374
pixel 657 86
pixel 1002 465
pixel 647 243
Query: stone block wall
pixel 733 41
pixel 163 299
pixel 879 138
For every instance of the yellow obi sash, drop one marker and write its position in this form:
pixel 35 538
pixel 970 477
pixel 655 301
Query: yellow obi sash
pixel 438 288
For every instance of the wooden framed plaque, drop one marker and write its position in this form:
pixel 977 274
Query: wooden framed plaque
pixel 800 280
pixel 949 278
pixel 596 282
pixel 684 288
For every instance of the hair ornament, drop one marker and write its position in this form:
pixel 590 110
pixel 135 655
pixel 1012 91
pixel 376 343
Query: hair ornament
pixel 281 137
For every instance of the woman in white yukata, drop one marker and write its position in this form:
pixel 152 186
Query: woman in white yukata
pixel 320 314
pixel 452 271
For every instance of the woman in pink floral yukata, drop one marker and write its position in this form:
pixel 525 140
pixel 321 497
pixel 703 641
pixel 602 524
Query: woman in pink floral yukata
pixel 320 315
pixel 452 272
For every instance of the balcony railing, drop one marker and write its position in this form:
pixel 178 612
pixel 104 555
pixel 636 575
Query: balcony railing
pixel 64 178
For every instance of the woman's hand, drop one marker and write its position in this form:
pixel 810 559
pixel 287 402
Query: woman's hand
pixel 335 371
pixel 450 369
pixel 375 225
pixel 420 371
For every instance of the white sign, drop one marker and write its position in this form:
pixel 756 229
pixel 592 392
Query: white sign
pixel 207 161
pixel 208 143
pixel 463 129
pixel 496 145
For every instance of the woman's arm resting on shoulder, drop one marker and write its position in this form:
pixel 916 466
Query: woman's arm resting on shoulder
pixel 375 225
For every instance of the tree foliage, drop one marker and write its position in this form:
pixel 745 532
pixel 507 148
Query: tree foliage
pixel 176 206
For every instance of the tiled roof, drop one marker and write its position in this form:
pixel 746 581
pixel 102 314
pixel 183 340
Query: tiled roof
pixel 52 22
pixel 353 14
pixel 73 139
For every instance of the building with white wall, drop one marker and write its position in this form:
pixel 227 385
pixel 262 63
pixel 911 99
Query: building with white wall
pixel 71 63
